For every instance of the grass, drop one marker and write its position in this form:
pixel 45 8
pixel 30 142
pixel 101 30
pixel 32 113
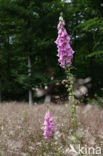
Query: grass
pixel 21 129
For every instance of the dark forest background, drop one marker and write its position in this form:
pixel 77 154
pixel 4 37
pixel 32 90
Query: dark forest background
pixel 28 29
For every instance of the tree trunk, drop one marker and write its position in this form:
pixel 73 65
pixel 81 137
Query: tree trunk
pixel 30 88
pixel 0 88
pixel 8 59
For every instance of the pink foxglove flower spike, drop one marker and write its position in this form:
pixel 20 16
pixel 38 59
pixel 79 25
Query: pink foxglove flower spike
pixel 65 52
pixel 49 126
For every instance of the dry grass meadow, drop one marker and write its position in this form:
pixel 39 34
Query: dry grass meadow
pixel 21 129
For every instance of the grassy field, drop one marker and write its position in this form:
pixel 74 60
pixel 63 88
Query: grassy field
pixel 21 129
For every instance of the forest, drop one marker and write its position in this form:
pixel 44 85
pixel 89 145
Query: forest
pixel 51 77
pixel 28 29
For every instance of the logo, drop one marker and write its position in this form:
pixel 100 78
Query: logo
pixel 84 150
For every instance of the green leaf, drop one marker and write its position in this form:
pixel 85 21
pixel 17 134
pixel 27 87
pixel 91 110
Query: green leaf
pixel 95 53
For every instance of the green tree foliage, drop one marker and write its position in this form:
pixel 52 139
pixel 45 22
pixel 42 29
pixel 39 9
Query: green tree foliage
pixel 29 28
pixel 87 37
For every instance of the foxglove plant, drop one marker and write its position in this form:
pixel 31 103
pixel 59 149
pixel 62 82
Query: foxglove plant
pixel 65 54
pixel 49 126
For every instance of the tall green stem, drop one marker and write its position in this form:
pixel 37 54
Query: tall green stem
pixel 72 113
